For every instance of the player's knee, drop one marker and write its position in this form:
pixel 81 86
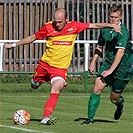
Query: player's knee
pixel 114 101
pixel 35 84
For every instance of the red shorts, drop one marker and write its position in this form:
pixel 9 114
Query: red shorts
pixel 45 72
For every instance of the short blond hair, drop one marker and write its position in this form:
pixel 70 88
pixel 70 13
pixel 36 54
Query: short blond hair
pixel 116 8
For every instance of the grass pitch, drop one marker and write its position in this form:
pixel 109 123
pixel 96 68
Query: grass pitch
pixel 70 112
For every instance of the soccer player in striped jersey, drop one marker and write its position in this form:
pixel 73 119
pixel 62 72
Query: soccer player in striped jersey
pixel 53 66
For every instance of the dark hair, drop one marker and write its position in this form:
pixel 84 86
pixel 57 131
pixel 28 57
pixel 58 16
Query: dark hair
pixel 116 8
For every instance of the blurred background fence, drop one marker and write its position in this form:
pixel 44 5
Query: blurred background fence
pixel 21 18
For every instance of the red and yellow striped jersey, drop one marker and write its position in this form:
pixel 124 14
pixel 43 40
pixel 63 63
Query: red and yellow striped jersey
pixel 59 44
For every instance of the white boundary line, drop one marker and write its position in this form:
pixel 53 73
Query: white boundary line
pixel 24 129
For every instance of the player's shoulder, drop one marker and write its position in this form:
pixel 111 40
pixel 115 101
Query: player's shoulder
pixel 123 27
pixel 72 22
pixel 49 25
pixel 50 22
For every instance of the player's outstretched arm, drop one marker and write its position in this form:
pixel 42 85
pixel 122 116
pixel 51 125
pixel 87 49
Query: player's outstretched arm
pixel 117 28
pixel 26 40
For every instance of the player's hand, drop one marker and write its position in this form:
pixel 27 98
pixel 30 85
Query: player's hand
pixel 117 28
pixel 8 46
pixel 106 73
pixel 91 68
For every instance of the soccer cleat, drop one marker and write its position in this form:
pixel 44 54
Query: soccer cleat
pixel 51 121
pixel 119 111
pixel 87 121
pixel 48 121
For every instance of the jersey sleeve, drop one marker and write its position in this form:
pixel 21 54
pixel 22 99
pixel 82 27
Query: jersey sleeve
pixel 81 26
pixel 42 33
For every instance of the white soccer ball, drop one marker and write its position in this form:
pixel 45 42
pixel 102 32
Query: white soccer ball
pixel 21 117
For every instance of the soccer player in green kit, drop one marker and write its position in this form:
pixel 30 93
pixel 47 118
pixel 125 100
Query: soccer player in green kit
pixel 116 70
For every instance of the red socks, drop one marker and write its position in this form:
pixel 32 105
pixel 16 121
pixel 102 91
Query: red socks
pixel 50 104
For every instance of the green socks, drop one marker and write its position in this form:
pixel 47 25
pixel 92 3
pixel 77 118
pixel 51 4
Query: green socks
pixel 93 104
pixel 120 101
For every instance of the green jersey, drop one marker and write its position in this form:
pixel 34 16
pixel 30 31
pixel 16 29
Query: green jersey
pixel 112 41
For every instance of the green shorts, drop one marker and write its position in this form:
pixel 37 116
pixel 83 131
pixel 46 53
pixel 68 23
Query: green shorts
pixel 118 80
